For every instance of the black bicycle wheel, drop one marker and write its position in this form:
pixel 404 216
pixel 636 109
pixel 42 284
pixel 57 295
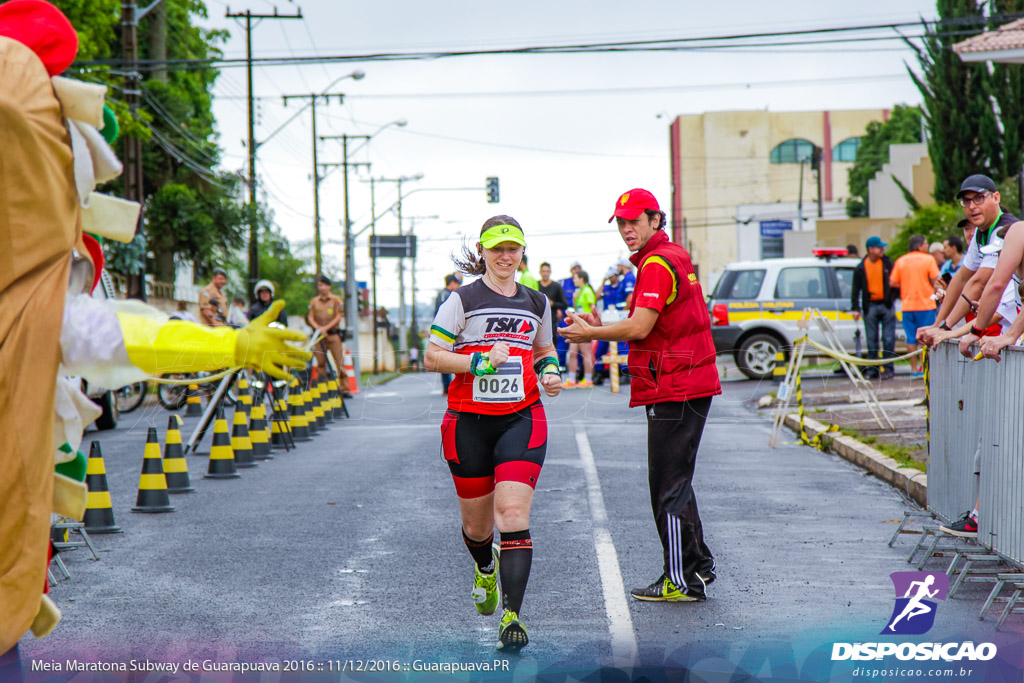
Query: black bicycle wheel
pixel 130 397
pixel 172 396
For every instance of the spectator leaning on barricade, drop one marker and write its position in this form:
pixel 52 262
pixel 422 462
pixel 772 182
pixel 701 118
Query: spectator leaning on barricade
pixel 554 292
pixel 980 201
pixel 451 283
pixel 213 309
pixel 1008 244
pixel 326 311
pixel 265 297
pixel 525 279
pixel 872 298
pixel 953 249
pixel 916 275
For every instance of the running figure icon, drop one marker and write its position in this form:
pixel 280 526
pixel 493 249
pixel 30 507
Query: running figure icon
pixel 915 607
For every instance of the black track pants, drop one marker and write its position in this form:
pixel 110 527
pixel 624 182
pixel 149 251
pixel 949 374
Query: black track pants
pixel 673 436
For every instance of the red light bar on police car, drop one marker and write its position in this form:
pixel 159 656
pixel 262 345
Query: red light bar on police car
pixel 829 252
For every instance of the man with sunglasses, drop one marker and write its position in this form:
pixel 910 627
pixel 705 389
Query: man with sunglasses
pixel 980 200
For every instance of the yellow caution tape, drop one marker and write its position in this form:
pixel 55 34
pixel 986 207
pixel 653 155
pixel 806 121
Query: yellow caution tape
pixel 859 361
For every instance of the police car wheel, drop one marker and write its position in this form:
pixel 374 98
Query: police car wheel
pixel 756 356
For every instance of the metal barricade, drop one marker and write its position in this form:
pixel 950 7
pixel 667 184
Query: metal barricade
pixel 1001 512
pixel 956 412
pixel 974 405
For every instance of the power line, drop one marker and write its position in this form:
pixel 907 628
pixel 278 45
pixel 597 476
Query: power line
pixel 657 45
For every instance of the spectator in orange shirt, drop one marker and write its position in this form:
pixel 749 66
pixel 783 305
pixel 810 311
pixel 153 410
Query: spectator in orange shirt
pixel 916 275
pixel 872 298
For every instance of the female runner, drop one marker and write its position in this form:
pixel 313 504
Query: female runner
pixel 495 337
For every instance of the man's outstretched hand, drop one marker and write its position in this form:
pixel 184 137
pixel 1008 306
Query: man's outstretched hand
pixel 261 347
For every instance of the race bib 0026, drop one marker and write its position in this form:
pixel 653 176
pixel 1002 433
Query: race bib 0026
pixel 504 386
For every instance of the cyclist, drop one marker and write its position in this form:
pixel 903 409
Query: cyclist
pixel 494 335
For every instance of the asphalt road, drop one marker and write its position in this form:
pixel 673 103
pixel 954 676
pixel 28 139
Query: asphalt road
pixel 348 548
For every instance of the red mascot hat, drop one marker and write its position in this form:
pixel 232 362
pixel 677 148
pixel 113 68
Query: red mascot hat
pixel 42 28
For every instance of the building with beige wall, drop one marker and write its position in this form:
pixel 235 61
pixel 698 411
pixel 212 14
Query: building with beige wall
pixel 722 160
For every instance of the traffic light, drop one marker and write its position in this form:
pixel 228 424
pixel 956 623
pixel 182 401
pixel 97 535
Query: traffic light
pixel 816 158
pixel 492 191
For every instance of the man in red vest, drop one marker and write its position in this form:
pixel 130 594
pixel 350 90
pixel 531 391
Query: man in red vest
pixel 673 375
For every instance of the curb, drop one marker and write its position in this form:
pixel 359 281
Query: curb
pixel 913 482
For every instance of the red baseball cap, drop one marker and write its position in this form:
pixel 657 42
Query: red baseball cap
pixel 42 28
pixel 633 203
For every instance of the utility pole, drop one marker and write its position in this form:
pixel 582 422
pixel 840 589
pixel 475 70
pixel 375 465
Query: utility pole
pixel 351 289
pixel 373 272
pixel 313 97
pixel 254 257
pixel 800 199
pixel 131 15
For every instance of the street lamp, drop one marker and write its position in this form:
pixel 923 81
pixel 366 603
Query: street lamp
pixel 351 290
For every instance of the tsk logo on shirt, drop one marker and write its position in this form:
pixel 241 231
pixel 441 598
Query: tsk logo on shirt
pixel 513 325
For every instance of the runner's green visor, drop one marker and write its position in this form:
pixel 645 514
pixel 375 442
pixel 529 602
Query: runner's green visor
pixel 502 233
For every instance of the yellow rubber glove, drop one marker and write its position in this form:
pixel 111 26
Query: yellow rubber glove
pixel 263 348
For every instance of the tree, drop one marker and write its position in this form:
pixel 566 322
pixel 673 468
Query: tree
pixel 936 222
pixel 902 127
pixel 1007 87
pixel 963 134
pixel 190 210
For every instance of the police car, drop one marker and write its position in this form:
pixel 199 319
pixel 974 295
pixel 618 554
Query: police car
pixel 756 305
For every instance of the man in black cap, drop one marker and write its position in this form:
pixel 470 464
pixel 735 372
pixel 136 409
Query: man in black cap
pixel 980 200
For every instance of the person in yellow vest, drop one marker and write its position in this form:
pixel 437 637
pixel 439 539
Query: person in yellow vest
pixel 326 311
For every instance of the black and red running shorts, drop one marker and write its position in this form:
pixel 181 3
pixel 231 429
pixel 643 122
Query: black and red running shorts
pixel 484 449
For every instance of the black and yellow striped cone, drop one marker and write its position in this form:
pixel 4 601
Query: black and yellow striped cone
pixel 779 371
pixel 99 513
pixel 222 459
pixel 152 482
pixel 244 395
pixel 193 404
pixel 318 406
pixel 278 427
pixel 307 408
pixel 241 444
pixel 297 423
pixel 326 401
pixel 258 433
pixel 175 466
pixel 332 391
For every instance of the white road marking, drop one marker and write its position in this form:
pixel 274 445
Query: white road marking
pixel 620 623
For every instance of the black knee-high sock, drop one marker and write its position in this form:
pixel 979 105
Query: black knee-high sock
pixel 481 551
pixel 514 568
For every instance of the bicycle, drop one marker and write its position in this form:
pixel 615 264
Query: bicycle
pixel 174 396
pixel 130 396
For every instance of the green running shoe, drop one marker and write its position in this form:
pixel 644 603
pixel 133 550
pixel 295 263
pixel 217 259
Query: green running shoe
pixel 663 590
pixel 485 588
pixel 511 633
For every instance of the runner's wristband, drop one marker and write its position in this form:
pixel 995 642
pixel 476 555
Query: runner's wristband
pixel 546 366
pixel 976 332
pixel 480 364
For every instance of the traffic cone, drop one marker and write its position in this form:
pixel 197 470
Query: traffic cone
pixel 175 465
pixel 241 444
pixel 222 459
pixel 152 483
pixel 307 411
pixel 332 391
pixel 326 401
pixel 244 395
pixel 99 513
pixel 350 370
pixel 278 427
pixel 193 405
pixel 258 433
pixel 297 423
pixel 318 405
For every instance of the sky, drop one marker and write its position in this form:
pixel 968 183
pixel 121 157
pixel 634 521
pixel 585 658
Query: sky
pixel 564 133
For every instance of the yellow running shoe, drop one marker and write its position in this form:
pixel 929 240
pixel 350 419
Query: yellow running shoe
pixel 485 588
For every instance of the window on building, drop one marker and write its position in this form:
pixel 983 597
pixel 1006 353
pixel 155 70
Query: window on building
pixel 802 283
pixel 792 151
pixel 846 150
